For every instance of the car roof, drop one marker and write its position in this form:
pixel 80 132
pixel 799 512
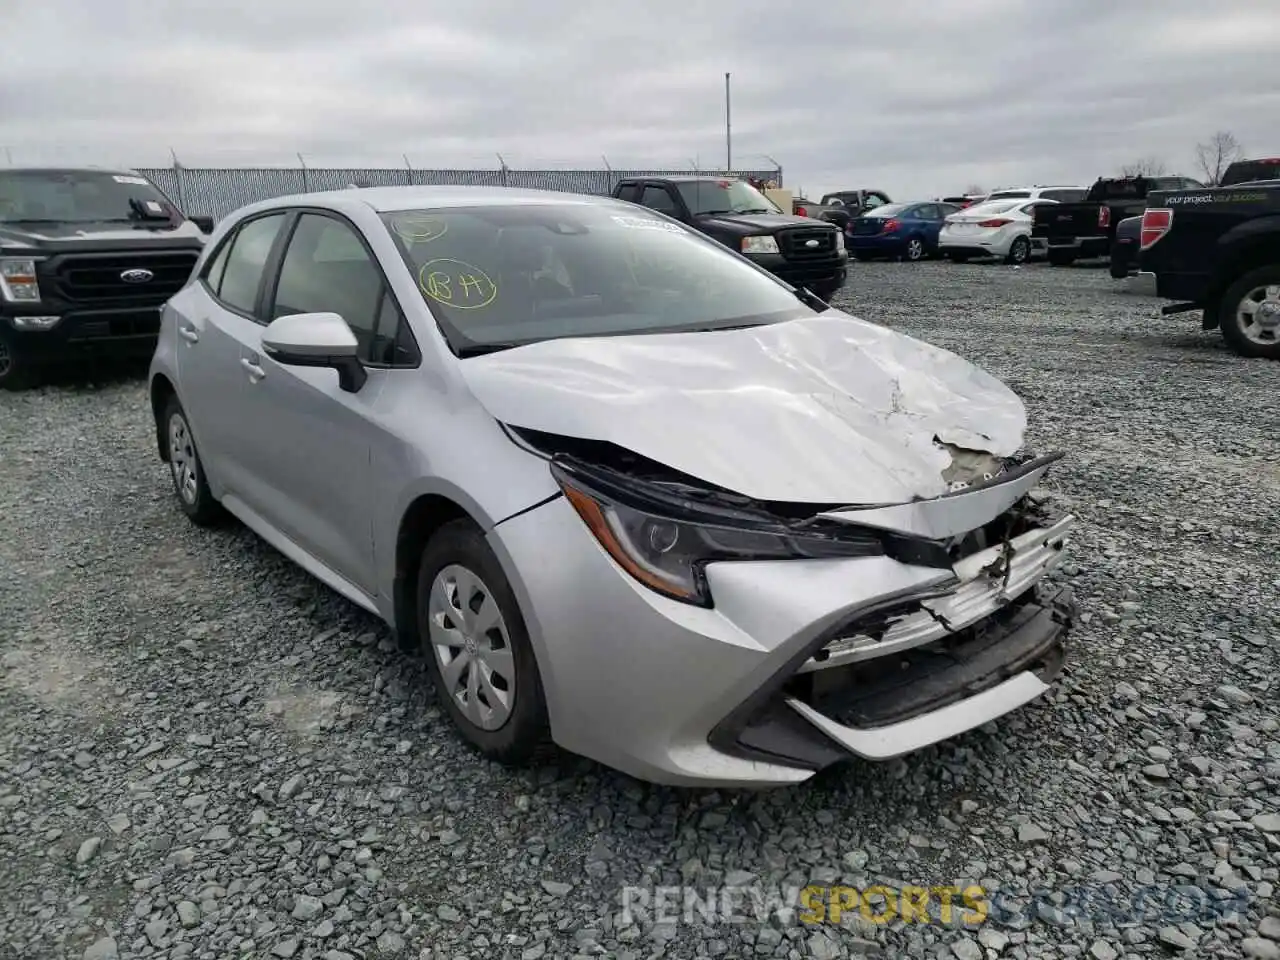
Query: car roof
pixel 118 171
pixel 393 199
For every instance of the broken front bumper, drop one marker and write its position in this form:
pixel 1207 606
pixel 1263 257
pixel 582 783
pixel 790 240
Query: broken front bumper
pixel 801 663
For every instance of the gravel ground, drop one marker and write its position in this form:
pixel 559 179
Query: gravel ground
pixel 206 754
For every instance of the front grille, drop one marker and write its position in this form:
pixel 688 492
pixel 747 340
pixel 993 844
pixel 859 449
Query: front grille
pixel 96 277
pixel 796 244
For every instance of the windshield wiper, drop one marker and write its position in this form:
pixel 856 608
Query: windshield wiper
pixel 480 349
pixel 811 300
pixel 756 210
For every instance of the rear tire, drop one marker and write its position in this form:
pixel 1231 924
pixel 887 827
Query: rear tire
pixel 1252 340
pixel 1058 258
pixel 16 371
pixel 186 468
pixel 463 596
pixel 915 250
pixel 1019 251
pixel 1118 270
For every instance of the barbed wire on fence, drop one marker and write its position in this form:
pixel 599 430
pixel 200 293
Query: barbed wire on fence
pixel 217 191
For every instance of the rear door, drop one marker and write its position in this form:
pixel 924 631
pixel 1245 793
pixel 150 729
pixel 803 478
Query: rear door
pixel 213 322
pixel 929 216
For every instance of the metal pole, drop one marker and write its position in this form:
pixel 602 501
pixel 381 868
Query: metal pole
pixel 728 130
pixel 306 186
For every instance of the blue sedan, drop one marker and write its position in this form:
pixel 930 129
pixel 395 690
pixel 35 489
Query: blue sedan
pixel 907 231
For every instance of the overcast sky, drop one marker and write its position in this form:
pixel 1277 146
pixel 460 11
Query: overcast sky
pixel 916 97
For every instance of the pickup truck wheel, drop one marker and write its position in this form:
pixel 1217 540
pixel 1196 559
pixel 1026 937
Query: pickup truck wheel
pixel 1250 314
pixel 1059 258
pixel 16 372
pixel 1019 251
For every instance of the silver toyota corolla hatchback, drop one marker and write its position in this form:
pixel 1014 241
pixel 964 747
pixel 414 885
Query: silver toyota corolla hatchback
pixel 625 489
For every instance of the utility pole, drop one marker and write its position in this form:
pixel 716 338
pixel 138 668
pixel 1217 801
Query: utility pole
pixel 728 130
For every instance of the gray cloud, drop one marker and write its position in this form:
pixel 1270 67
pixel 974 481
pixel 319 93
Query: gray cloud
pixel 914 96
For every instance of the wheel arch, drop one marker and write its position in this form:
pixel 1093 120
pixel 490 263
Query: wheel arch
pixel 161 390
pixel 424 515
pixel 1241 257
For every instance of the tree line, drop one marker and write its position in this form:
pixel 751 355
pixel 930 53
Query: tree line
pixel 1213 156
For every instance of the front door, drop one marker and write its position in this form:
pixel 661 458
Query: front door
pixel 310 441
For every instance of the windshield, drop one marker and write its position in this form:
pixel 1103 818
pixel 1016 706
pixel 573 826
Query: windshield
pixel 1000 206
pixel 80 196
pixel 502 276
pixel 724 196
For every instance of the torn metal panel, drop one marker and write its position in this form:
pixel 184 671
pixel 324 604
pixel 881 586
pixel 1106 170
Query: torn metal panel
pixel 989 579
pixel 820 410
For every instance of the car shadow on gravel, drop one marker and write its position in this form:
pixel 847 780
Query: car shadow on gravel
pixel 93 374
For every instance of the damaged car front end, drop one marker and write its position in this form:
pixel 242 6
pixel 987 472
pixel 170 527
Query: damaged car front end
pixel 753 643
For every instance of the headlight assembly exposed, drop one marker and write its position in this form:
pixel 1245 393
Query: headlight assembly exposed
pixel 665 543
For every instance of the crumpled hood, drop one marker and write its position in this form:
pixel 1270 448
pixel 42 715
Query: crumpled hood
pixel 827 409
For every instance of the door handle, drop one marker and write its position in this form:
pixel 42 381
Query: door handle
pixel 189 334
pixel 256 373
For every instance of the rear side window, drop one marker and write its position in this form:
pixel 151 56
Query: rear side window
pixel 242 274
pixel 213 272
pixel 658 198
pixel 628 192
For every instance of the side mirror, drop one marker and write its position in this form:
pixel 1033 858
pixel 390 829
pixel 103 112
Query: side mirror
pixel 317 340
pixel 204 223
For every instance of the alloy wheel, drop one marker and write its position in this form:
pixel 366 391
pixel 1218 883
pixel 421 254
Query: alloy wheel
pixel 1258 315
pixel 472 647
pixel 915 249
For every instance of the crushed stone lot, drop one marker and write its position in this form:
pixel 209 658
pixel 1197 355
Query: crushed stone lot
pixel 206 754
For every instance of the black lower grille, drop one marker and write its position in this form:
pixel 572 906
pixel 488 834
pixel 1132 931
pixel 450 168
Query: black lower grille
pixel 807 243
pixel 149 277
pixel 133 323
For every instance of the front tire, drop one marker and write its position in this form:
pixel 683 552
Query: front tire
pixel 187 470
pixel 16 371
pixel 1249 314
pixel 477 647
pixel 1019 251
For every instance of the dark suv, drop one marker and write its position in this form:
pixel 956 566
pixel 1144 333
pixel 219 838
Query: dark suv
pixel 798 250
pixel 87 259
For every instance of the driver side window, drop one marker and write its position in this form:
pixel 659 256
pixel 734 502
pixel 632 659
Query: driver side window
pixel 327 269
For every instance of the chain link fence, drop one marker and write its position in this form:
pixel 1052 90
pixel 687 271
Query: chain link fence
pixel 217 191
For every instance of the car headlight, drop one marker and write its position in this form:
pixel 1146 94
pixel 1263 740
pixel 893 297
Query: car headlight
pixel 665 541
pixel 18 280
pixel 759 245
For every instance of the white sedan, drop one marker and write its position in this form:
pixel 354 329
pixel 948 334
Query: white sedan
pixel 997 228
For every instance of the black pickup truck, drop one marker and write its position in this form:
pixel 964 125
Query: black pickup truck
pixel 1086 228
pixel 802 251
pixel 87 259
pixel 1218 251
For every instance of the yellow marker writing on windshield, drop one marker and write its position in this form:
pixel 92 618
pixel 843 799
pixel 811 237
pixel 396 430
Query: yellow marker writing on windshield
pixel 456 284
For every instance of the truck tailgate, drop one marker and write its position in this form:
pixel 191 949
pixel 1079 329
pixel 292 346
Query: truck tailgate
pixel 1066 221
